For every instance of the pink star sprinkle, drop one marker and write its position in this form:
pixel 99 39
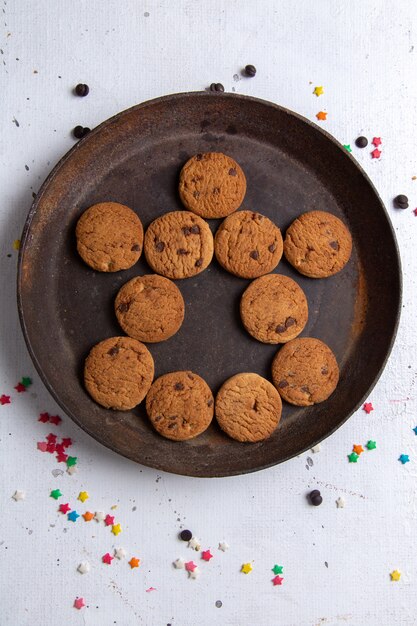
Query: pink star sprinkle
pixel 206 555
pixel 79 603
pixel 109 520
pixel 376 141
pixel 376 153
pixel 51 438
pixel 64 508
pixel 190 566
pixel 55 419
pixel 66 442
pixel 150 589
pixel 43 417
pixel 367 407
pixel 20 388
pixel 277 580
pixel 4 399
pixel 107 558
pixel 42 445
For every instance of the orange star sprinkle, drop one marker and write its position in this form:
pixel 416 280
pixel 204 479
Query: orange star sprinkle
pixel 134 562
pixel 322 115
pixel 88 516
pixel 357 449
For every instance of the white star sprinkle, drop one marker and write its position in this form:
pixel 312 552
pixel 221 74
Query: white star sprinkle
pixel 19 495
pixel 99 516
pixel 179 563
pixel 223 546
pixel 72 469
pixel 194 543
pixel 84 567
pixel 316 448
pixel 120 553
pixel 195 574
pixel 340 503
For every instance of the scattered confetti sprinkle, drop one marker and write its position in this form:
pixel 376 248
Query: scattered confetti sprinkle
pixel 415 430
pixel 179 563
pixel 109 520
pixel 347 147
pixel 20 388
pixel 4 399
pixel 404 458
pixel 322 115
pixel 107 558
pixel 66 442
pixel 116 529
pixel 50 447
pixel 61 457
pixel 134 562
pixel 340 503
pixel 26 381
pixel 16 244
pixel 190 566
pixel 84 567
pixel 19 495
pixel 99 516
pixel 395 575
pixel 376 153
pixel 246 568
pixel 353 457
pixel 55 419
pixel 316 448
pixel 371 445
pixel 44 418
pixel 56 493
pixel 120 553
pixel 51 438
pixel 88 516
pixel 73 516
pixel 415 212
pixel 64 508
pixel 150 589
pixel 194 574
pixel 277 580
pixel 42 445
pixel 71 460
pixel 195 544
pixel 278 569
pixel 206 555
pixel 358 449
pixel 83 496
pixel 367 407
pixel 318 91
pixel 79 603
pixel 223 546
pixel 72 470
pixel 376 141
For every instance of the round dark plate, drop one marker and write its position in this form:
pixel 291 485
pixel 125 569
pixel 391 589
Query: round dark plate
pixel 291 167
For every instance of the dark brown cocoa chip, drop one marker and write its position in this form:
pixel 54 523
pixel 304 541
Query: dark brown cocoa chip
pixel 196 194
pixel 210 402
pixel 198 263
pixel 186 230
pixel 324 371
pixel 232 172
pixel 178 386
pixel 124 307
pixel 216 191
pixel 272 247
pixel 195 230
pixel 182 251
pixel 158 418
pixel 305 389
pixel 113 351
pixel 254 255
pixel 282 384
pixel 171 426
pixel 198 157
pixel 334 245
pixel 160 246
pixel 173 417
pixel 290 321
pixel 135 247
pixel 280 328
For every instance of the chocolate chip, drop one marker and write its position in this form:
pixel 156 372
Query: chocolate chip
pixel 401 201
pixel 158 418
pixel 186 230
pixel 334 245
pixel 123 307
pixel 198 263
pixel 361 142
pixel 305 389
pixel 160 246
pixel 314 493
pixel 210 402
pixel 216 87
pixel 250 70
pixel 172 417
pixel 113 351
pixel 290 321
pixel 195 230
pixel 172 426
pixel 232 172
pixel 254 255
pixel 186 535
pixel 196 194
pixel 178 386
pixel 280 328
pixel 135 248
pixel 198 157
pixel 316 501
pixel 324 371
pixel 272 247
pixel 182 251
pixel 79 132
pixel 82 90
pixel 216 191
pixel 282 384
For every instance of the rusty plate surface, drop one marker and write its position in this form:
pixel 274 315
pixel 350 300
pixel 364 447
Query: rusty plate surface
pixel 291 167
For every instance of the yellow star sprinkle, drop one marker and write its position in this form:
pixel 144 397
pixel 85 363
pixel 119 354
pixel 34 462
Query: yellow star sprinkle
pixel 246 568
pixel 318 91
pixel 16 244
pixel 83 496
pixel 395 575
pixel 116 529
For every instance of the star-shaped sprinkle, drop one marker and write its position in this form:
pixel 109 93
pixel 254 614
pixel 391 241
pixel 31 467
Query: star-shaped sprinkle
pixel 88 516
pixel 120 553
pixel 50 447
pixel 367 407
pixel 190 566
pixel 206 555
pixel 64 508
pixel 83 496
pixel 44 418
pixel 223 546
pixel 42 445
pixel 73 516
pixel 277 580
pixel 376 141
pixel 26 381
pixel 371 445
pixel 316 448
pixel 107 558
pixel 376 153
pixel 395 575
pixel 71 460
pixel 55 419
pixel 61 457
pixel 99 516
pixel 322 115
pixel 358 449
pixel 194 574
pixel 195 544
pixel 66 442
pixel 404 458
pixel 150 589
pixel 340 503
pixel 116 529
pixel 4 399
pixel 16 244
pixel 19 495
pixel 415 430
pixel 20 388
pixel 79 603
pixel 84 567
pixel 353 457
pixel 415 212
pixel 59 448
pixel 109 520
pixel 134 562
pixel 318 91
pixel 72 470
pixel 56 493
pixel 278 569
pixel 179 563
pixel 347 147
pixel 51 438
pixel 246 568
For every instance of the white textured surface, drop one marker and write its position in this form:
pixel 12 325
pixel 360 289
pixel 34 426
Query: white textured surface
pixel 362 52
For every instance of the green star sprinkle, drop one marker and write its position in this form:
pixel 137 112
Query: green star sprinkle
pixel 371 445
pixel 55 494
pixel 353 457
pixel 71 460
pixel 278 569
pixel 26 381
pixel 347 147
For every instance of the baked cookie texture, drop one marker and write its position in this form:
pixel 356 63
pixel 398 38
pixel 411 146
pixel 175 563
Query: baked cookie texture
pixel 180 405
pixel 212 185
pixel 248 244
pixel 274 309
pixel 118 373
pixel 305 371
pixel 318 244
pixel 248 407
pixel 150 308
pixel 109 237
pixel 178 244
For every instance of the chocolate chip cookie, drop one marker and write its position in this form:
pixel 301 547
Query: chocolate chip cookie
pixel 274 309
pixel 180 405
pixel 248 407
pixel 305 371
pixel 150 308
pixel 109 237
pixel 318 244
pixel 118 373
pixel 212 185
pixel 178 244
pixel 248 244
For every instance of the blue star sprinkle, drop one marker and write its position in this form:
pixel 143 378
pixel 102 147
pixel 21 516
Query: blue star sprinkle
pixel 73 516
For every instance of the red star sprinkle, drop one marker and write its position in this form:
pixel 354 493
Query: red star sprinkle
pixel 43 417
pixel 60 448
pixel 67 442
pixel 42 446
pixel 4 399
pixel 51 438
pixel 206 555
pixel 55 419
pixel 376 141
pixel 367 407
pixel 107 558
pixel 61 457
pixel 50 447
pixel 376 153
pixel 277 580
pixel 20 388
pixel 79 603
pixel 64 508
pixel 415 211
pixel 109 520
pixel 190 566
